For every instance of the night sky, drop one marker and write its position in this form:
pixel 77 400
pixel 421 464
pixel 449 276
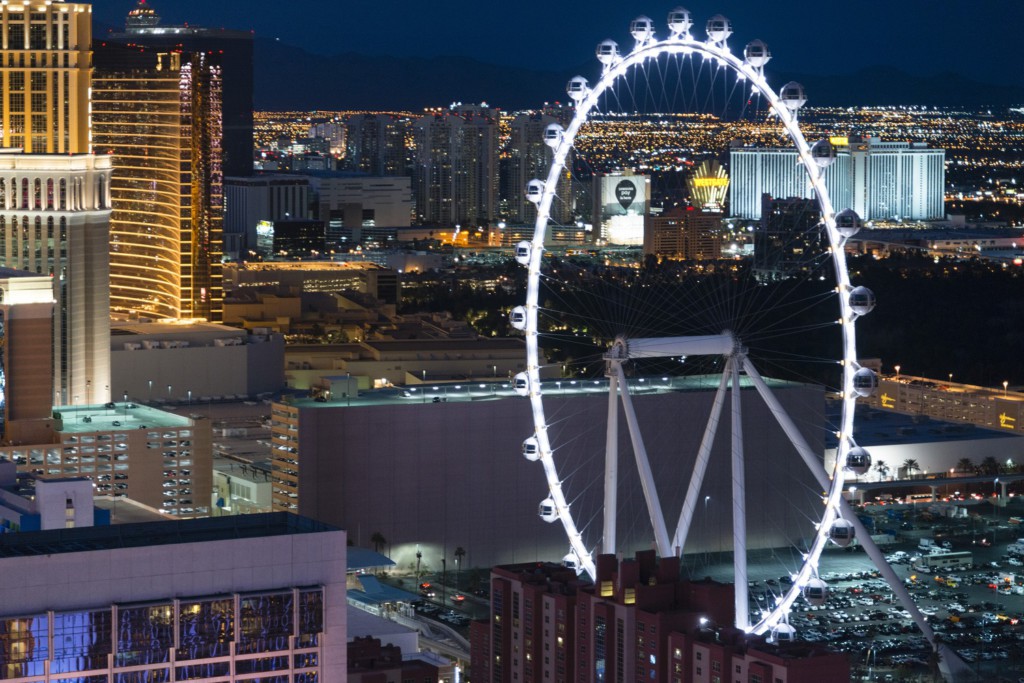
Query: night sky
pixel 978 38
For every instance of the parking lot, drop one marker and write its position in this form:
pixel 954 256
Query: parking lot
pixel 977 609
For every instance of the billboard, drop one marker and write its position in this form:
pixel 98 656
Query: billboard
pixel 622 203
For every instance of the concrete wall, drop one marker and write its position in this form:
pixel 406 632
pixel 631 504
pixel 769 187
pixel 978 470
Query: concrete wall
pixel 442 475
pixel 205 370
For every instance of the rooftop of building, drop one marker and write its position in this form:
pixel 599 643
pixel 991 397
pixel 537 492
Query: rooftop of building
pixel 935 233
pixel 306 265
pixel 170 532
pixel 10 273
pixel 150 328
pixel 461 391
pixel 110 416
pixel 874 427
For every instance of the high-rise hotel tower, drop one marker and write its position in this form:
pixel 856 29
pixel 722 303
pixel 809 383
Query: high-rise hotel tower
pixel 54 193
pixel 158 113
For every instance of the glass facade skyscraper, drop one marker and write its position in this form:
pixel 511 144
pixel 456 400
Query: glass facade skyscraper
pixel 275 635
pixel 232 600
pixel 159 115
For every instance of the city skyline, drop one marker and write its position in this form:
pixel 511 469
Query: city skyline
pixel 902 34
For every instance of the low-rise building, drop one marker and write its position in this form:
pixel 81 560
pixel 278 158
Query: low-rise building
pixel 29 503
pixel 371 662
pixel 229 599
pixel 156 458
pixel 166 362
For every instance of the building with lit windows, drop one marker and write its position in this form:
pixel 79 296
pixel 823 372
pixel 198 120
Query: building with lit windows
pixel 31 503
pixel 54 193
pixel 359 209
pixel 639 621
pixel 881 181
pixel 622 207
pixel 789 240
pixel 44 101
pixel 167 189
pixel 374 143
pixel 239 598
pixel 455 178
pixel 316 276
pixel 530 157
pixel 233 51
pixel 684 234
pixel 54 221
pixel 265 197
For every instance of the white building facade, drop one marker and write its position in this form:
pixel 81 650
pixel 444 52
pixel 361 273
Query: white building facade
pixel 55 220
pixel 881 181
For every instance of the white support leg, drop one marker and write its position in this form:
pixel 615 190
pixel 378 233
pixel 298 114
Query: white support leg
pixel 739 506
pixel 611 463
pixel 701 465
pixel 952 663
pixel 643 466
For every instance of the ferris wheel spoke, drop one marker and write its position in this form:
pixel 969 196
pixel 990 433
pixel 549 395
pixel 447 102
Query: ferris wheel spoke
pixel 701 465
pixel 811 460
pixel 643 465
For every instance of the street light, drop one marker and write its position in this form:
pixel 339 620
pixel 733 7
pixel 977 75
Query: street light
pixel 1005 385
pixel 897 372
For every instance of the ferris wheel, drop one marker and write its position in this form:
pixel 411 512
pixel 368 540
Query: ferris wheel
pixel 661 335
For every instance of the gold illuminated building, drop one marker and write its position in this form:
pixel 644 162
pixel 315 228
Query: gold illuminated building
pixel 159 115
pixel 708 186
pixel 44 79
pixel 54 192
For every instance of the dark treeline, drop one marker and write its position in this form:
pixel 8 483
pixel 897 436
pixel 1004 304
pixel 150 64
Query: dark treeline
pixel 954 316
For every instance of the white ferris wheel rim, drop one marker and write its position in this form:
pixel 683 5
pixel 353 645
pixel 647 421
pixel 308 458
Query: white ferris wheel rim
pixel 833 482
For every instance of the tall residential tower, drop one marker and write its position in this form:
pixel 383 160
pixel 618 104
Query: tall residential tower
pixel 455 179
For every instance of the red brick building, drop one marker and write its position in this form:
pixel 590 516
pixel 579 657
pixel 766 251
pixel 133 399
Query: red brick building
pixel 371 662
pixel 638 623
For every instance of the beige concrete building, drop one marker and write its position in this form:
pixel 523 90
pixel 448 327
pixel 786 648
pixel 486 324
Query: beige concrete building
pixel 996 408
pixel 154 457
pixel 54 194
pixel 55 221
pixel 26 364
pixel 384 362
pixel 175 362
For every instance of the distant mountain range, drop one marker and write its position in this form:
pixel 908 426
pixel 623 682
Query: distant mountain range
pixel 291 78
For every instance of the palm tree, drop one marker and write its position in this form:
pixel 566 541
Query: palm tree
pixel 965 465
pixel 882 469
pixel 460 554
pixel 378 541
pixel 910 466
pixel 989 465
